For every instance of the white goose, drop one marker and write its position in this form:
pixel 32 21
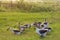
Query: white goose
pixel 41 32
pixel 45 23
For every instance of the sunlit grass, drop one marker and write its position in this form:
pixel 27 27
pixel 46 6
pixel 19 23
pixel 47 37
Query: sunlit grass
pixel 12 18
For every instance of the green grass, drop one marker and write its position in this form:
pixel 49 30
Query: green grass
pixel 12 18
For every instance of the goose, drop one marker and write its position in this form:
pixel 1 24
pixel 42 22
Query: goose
pixel 36 24
pixel 39 24
pixel 27 25
pixel 15 31
pixel 46 26
pixel 22 28
pixel 41 32
pixel 45 23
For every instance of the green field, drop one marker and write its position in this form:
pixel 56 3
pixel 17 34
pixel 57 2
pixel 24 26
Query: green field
pixel 12 18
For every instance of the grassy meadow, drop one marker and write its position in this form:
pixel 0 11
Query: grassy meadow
pixel 12 19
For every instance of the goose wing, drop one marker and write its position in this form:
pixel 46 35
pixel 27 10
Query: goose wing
pixel 16 30
pixel 42 31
